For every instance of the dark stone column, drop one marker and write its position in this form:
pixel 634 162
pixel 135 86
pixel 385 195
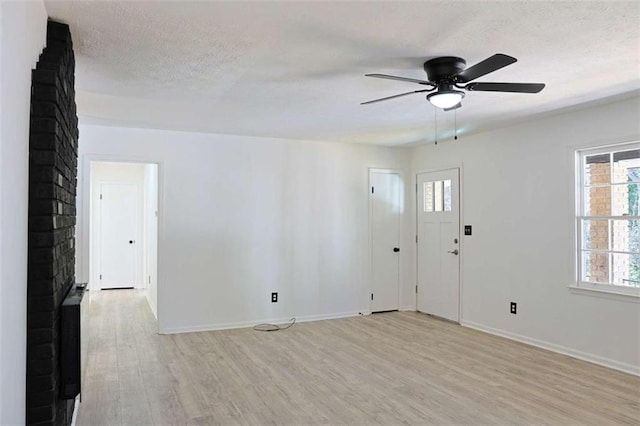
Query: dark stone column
pixel 53 162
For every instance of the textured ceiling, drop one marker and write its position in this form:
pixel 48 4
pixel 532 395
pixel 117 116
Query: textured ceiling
pixel 295 69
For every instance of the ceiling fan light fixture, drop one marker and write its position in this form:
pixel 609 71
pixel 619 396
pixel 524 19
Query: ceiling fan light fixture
pixel 445 98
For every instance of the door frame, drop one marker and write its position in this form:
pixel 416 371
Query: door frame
pixel 417 172
pixel 83 216
pixel 370 229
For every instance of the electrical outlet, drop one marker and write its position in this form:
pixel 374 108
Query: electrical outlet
pixel 514 308
pixel 274 297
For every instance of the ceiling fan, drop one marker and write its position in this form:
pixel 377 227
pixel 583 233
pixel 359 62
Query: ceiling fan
pixel 447 73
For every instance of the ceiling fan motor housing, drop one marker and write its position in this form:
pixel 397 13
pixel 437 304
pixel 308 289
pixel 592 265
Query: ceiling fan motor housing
pixel 444 69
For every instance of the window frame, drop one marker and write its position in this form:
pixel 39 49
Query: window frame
pixel 578 217
pixel 433 196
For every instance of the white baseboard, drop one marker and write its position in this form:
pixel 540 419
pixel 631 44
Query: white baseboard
pixel 155 314
pixel 246 324
pixel 407 308
pixel 74 416
pixel 584 356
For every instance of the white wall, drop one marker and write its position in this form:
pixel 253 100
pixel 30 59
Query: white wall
pixel 23 33
pixel 518 195
pixel 241 217
pixel 111 172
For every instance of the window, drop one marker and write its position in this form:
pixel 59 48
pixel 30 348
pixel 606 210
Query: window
pixel 437 196
pixel 608 218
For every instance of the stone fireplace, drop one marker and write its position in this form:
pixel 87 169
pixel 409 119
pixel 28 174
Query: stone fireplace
pixel 53 159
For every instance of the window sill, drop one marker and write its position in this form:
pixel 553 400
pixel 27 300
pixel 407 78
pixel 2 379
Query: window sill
pixel 605 293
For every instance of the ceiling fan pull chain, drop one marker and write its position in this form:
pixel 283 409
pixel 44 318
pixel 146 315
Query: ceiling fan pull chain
pixel 435 120
pixel 455 124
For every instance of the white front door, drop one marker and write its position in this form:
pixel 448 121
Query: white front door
pixel 385 239
pixel 439 244
pixel 119 225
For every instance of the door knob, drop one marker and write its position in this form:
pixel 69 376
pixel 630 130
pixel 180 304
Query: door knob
pixel 454 252
pixel 396 249
pixel 130 241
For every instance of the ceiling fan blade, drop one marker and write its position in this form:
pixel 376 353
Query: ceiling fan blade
pixel 454 107
pixel 491 64
pixel 505 87
pixel 393 77
pixel 395 96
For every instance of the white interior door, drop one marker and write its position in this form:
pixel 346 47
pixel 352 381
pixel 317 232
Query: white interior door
pixel 385 240
pixel 438 244
pixel 119 229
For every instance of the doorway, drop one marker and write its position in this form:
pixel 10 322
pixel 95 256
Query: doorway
pixel 385 211
pixel 123 227
pixel 438 253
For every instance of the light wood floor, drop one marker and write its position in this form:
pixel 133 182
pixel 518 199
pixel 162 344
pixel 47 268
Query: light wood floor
pixel 393 368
